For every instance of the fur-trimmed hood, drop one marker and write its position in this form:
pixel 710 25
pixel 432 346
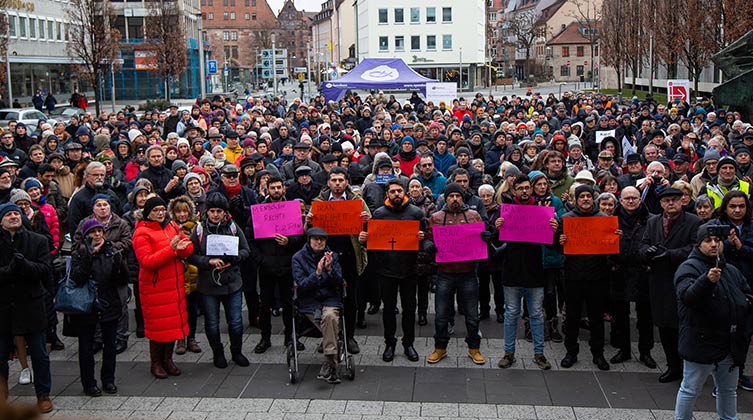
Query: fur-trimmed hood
pixel 182 199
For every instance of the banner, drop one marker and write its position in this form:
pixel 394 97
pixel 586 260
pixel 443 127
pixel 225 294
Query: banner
pixel 591 235
pixel 601 135
pixel 393 235
pixel 341 217
pixel 437 92
pixel 460 242
pixel 678 90
pixel 282 218
pixel 145 60
pixel 526 224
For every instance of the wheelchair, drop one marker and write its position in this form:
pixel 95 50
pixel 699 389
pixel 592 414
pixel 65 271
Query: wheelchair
pixel 345 364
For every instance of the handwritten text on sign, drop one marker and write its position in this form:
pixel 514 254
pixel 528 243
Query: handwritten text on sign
pixel 591 235
pixel 338 217
pixel 282 218
pixel 526 224
pixel 460 242
pixel 393 235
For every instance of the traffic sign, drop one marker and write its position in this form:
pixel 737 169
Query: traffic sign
pixel 226 69
pixel 212 66
pixel 678 90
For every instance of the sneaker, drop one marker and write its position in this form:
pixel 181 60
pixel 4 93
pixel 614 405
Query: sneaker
pixel 476 356
pixel 507 360
pixel 745 383
pixel 713 392
pixel 541 362
pixel 436 356
pixel 26 377
pixel 334 377
pixel 180 347
pixel 325 371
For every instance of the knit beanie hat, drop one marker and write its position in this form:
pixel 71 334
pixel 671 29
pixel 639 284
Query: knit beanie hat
pixel 7 208
pixel 19 195
pixel 711 154
pixel 179 164
pixel 31 183
pixel 452 187
pixel 190 176
pixel 151 203
pixel 583 188
pixel 726 161
pixel 535 175
pixel 512 170
pixel 408 139
pixel 216 200
pixel 90 224
pixel 100 196
pixel 133 133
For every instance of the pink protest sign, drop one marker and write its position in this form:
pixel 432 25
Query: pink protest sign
pixel 460 242
pixel 272 218
pixel 526 224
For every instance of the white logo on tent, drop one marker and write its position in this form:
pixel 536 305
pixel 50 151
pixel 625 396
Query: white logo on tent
pixel 380 73
pixel 328 85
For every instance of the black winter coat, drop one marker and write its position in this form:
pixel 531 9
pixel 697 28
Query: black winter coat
pixel 23 283
pixel 108 269
pixel 159 177
pixel 630 282
pixel 679 243
pixel 398 264
pixel 228 280
pixel 713 316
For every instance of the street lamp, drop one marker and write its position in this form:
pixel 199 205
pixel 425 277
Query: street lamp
pixel 274 65
pixel 202 76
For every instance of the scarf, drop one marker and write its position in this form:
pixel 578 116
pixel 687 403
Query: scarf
pixel 407 156
pixel 232 192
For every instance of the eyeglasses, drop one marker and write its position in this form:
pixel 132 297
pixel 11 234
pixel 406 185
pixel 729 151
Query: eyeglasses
pixel 528 188
pixel 427 165
pixel 108 163
pixel 231 176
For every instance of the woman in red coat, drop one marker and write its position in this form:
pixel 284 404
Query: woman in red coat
pixel 160 245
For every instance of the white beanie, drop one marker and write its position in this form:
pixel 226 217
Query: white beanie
pixel 133 133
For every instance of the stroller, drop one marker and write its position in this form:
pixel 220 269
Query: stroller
pixel 345 364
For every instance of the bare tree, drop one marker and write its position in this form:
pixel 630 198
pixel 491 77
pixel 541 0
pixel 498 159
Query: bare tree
pixel 94 43
pixel 614 51
pixel 4 39
pixel 668 32
pixel 166 38
pixel 634 39
pixel 704 40
pixel 588 17
pixel 736 19
pixel 523 31
pixel 262 34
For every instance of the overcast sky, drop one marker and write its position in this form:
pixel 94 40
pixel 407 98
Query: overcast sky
pixel 308 5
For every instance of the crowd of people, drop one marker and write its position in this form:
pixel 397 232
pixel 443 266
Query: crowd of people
pixel 140 195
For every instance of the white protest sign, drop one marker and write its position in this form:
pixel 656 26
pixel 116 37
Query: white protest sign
pixel 601 135
pixel 437 92
pixel 222 245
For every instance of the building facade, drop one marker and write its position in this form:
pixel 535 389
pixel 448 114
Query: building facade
pixel 293 25
pixel 436 38
pixel 570 55
pixel 333 39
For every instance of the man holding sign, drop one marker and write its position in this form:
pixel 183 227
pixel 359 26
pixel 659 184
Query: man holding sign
pixel 274 257
pixel 395 269
pixel 457 276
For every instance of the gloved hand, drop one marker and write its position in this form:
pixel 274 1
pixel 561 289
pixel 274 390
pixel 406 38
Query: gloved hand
pixel 58 264
pixel 652 251
pixel 236 202
pixel 230 259
pixel 430 247
pixel 487 236
pixel 18 262
pixel 661 253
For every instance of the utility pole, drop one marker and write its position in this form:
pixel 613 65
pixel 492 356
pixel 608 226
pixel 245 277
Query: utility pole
pixel 202 75
pixel 308 69
pixel 112 85
pixel 274 65
pixel 7 75
pixel 460 70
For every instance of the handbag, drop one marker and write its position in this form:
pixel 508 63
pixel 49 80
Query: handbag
pixel 71 299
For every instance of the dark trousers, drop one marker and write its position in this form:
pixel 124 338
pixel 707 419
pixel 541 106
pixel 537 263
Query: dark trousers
pixel 390 287
pixel 368 287
pixel 484 292
pixel 138 314
pixel 555 286
pixel 268 284
pixel 350 303
pixel 86 352
pixel 422 294
pixel 621 325
pixel 669 341
pixel 122 331
pixel 250 291
pixel 40 360
pixel 193 300
pixel 593 295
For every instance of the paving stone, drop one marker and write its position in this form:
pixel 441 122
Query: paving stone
pixel 364 407
pixel 226 415
pixel 91 414
pixel 264 416
pixel 302 416
pixel 62 402
pixel 142 403
pixel 439 409
pixel 178 404
pixel 588 413
pixel 326 406
pixel 505 411
pixel 477 410
pixel 289 406
pixel 187 415
pixel 402 409
pixel 554 413
pixel 149 415
pixel 342 417
pixel 104 403
pixel 243 405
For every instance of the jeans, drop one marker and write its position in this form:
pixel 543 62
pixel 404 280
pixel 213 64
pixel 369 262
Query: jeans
pixel 466 286
pixel 484 293
pixel 192 308
pixel 389 287
pixel 693 378
pixel 40 361
pixel 268 282
pixel 86 352
pixel 534 298
pixel 593 294
pixel 232 304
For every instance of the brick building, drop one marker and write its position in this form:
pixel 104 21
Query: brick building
pixel 237 30
pixel 294 34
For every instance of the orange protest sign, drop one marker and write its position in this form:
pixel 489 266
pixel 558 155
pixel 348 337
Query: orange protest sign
pixel 393 235
pixel 338 217
pixel 591 235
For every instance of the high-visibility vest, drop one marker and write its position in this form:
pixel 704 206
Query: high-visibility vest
pixel 717 192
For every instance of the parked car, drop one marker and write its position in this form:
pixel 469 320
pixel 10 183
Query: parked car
pixel 63 114
pixel 29 116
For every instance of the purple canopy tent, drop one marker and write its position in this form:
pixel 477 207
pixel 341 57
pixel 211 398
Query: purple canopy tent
pixel 376 73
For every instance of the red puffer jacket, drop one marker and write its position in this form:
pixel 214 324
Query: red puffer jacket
pixel 163 296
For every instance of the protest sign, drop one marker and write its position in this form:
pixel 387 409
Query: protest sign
pixel 282 218
pixel 222 245
pixel 526 224
pixel 341 217
pixel 460 242
pixel 383 178
pixel 591 235
pixel 393 235
pixel 601 135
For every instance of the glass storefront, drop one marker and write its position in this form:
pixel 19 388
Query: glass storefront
pixel 60 79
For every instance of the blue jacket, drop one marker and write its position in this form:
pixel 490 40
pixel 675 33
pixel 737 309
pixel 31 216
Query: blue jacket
pixel 436 183
pixel 316 291
pixel 552 257
pixel 443 162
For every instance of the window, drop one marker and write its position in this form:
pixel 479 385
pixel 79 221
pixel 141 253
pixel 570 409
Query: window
pixel 566 51
pixel 50 30
pixel 382 15
pixel 579 70
pixel 234 51
pixel 226 36
pixel 246 3
pixel 431 15
pixel 42 24
pixel 60 31
pixel 415 15
pixel 247 16
pixel 447 14
pixel 415 42
pixel 203 2
pixel 210 16
pixel 253 3
pixel 253 16
pixel 399 43
pixel 232 15
pixel 22 26
pixel 565 71
pixel 399 17
pixel 384 43
pixel 11 25
pixel 431 42
pixel 579 51
pixel 66 31
pixel 596 51
pixel 492 17
pixel 446 42
pixel 225 15
pixel 232 2
pixel 210 2
pixel 234 36
pixel 32 28
pixel 224 2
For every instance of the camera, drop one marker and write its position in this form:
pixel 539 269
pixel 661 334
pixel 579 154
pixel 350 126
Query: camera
pixel 720 231
pixel 657 179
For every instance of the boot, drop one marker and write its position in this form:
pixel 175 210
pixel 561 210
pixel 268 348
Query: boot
pixel 54 340
pixel 139 323
pixel 180 348
pixel 167 360
pixel 155 355
pixel 554 332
